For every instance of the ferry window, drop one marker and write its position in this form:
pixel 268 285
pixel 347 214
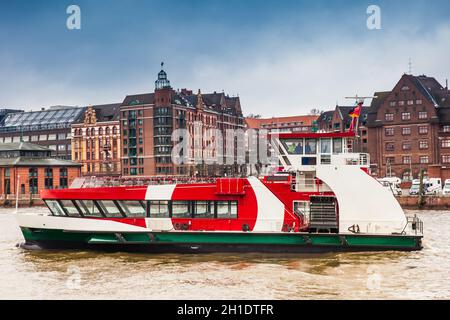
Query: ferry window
pixel 70 208
pixel 133 209
pixel 325 146
pixel 310 146
pixel 337 146
pixel 159 209
pixel 204 209
pixel 294 146
pixel 55 207
pixel 88 208
pixel 110 209
pixel 180 209
pixel 226 209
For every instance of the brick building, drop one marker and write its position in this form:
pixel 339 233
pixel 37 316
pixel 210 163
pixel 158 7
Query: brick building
pixel 50 128
pixel 32 168
pixel 283 124
pixel 409 129
pixel 148 120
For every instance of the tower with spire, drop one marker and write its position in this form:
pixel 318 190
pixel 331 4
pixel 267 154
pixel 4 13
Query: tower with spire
pixel 163 90
pixel 162 82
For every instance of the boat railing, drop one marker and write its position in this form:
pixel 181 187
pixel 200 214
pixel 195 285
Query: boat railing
pixel 96 182
pixel 415 223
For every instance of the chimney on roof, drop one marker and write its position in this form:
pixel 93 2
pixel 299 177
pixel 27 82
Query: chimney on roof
pixel 446 84
pixel 42 109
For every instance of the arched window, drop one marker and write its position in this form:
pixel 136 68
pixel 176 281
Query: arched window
pixel 114 130
pixel 107 131
pixel 92 132
pixel 100 131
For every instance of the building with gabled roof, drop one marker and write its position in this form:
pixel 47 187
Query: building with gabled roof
pixel 409 129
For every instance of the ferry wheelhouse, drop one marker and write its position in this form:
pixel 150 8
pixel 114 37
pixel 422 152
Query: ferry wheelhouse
pixel 325 200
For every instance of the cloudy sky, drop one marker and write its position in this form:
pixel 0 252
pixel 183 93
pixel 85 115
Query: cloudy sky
pixel 281 57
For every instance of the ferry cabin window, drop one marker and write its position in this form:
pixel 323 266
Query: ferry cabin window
pixel 204 209
pixel 325 146
pixel 70 208
pixel 88 208
pixel 159 209
pixel 55 207
pixel 294 146
pixel 310 146
pixel 110 209
pixel 133 209
pixel 226 209
pixel 337 146
pixel 180 209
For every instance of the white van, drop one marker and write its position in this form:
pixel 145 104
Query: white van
pixel 446 189
pixel 435 186
pixel 393 184
pixel 430 186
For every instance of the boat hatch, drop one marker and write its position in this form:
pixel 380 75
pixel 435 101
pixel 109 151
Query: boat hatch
pixel 323 214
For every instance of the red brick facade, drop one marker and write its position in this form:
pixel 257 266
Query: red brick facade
pixel 409 129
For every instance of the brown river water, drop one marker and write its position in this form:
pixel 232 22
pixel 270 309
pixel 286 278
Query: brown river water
pixel 41 274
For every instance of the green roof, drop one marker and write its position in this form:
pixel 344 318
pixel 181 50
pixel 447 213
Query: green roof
pixel 22 146
pixel 29 162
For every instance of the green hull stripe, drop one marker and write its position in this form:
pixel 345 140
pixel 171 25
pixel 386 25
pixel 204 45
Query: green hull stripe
pixel 249 238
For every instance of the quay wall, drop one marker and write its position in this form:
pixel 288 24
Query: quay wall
pixel 430 202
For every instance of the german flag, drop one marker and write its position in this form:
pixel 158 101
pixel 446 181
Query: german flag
pixel 355 112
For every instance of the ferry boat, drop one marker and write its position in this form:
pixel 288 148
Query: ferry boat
pixel 325 200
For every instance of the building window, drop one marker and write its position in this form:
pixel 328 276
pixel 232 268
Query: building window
pixel 33 180
pixel 406 145
pixel 406 131
pixel 63 182
pixel 424 159
pixel 406 116
pixel 7 183
pixel 406 160
pixel 423 130
pixel 423 115
pixel 445 143
pixel 410 102
pixel 423 144
pixel 401 103
pixel 392 103
pixel 446 158
pixel 390 160
pixel 389 131
pixel 389 117
pixel 390 146
pixel 419 101
pixel 48 178
pixel 446 128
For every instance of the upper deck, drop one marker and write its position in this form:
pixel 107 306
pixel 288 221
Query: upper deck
pixel 305 151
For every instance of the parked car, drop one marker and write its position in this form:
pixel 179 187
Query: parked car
pixel 446 189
